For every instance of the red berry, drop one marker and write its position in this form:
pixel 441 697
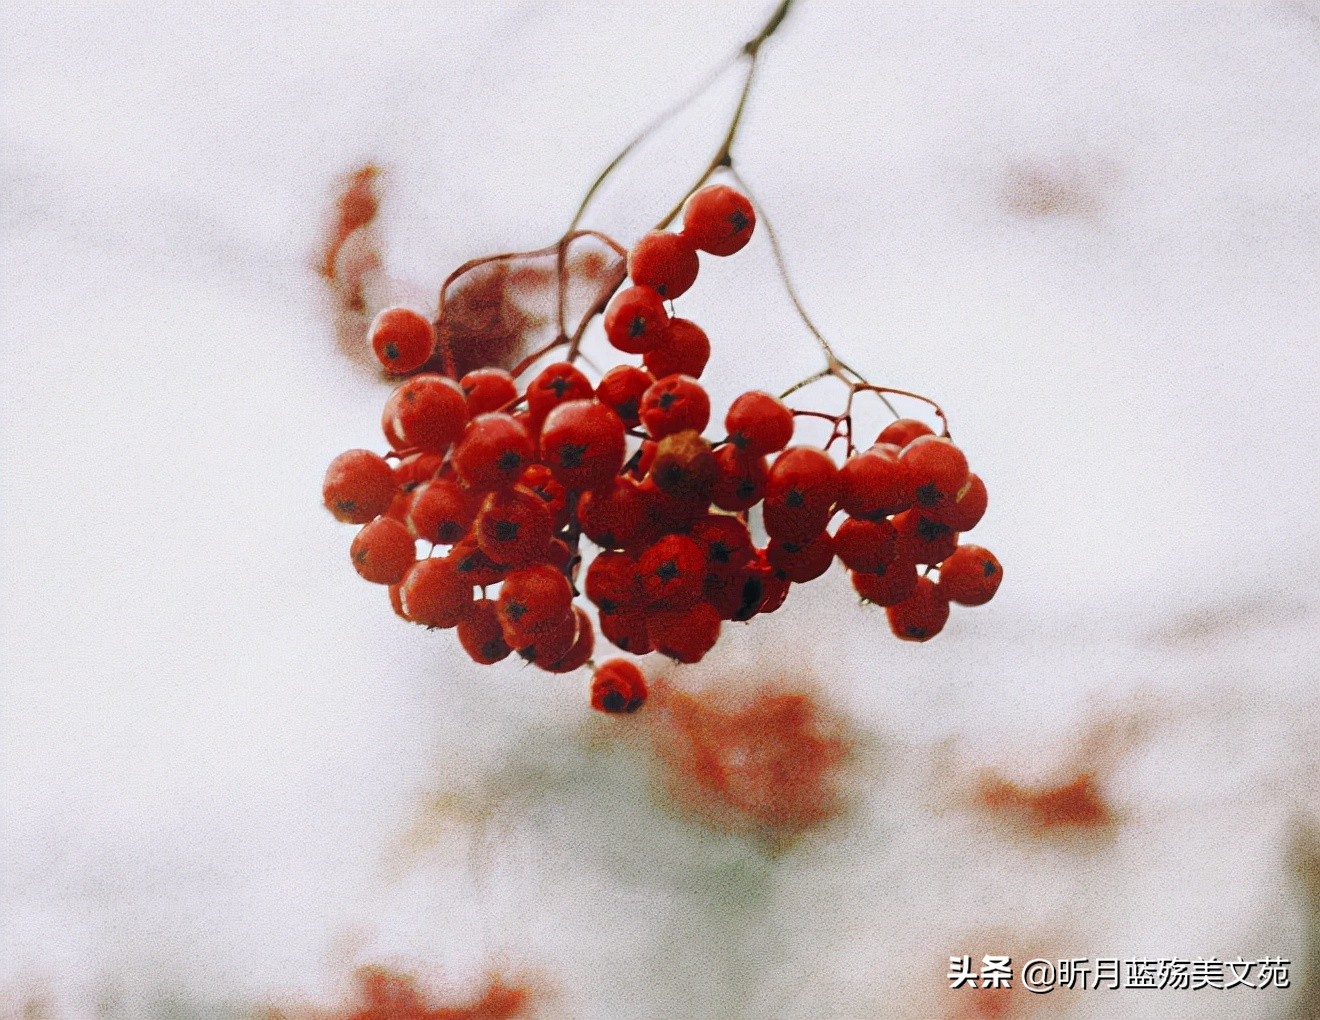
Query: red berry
pixel 427 412
pixel 584 643
pixel 686 634
pixel 621 388
pixel 582 442
pixel 402 339
pixel 383 551
pixel 480 634
pixel 442 512
pixel 539 479
pixel 966 511
pixel 671 572
pixel 685 468
pixel 626 631
pixel 802 563
pixel 554 385
pixel 552 644
pixel 875 483
pixel 435 594
pixel 741 479
pixel 494 451
pixel 473 564
pixel 718 220
pixel 936 468
pixel 921 615
pixel 800 494
pixel 359 486
pixel 533 600
pixel 636 320
pixel 674 404
pixel 924 539
pixel 727 543
pixel 888 585
pixel 488 389
pixel 866 546
pixel 758 423
pixel 684 351
pixel 665 262
pixel 618 687
pixel 415 469
pixel 901 432
pixel 614 516
pixel 612 583
pixel 514 527
pixel 970 575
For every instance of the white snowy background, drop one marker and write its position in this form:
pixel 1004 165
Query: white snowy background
pixel 1090 231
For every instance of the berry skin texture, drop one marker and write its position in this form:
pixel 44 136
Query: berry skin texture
pixel 494 451
pixel 903 431
pixel 621 388
pixel 875 483
pixel 442 512
pixel 555 384
pixel 718 220
pixel 802 563
pixel 383 551
pixel 480 634
pixel 920 616
pixel 429 412
pixel 740 480
pixel 618 687
pixel 684 351
pixel 488 389
pixel 891 584
pixel 627 631
pixel 612 583
pixel 923 538
pixel 970 576
pixel 684 635
pixel 584 643
pixel 866 546
pixel 582 442
pixel 435 594
pixel 684 467
pixel 614 516
pixel 676 403
pixel 936 469
pixel 800 494
pixel 514 527
pixel 403 340
pixel 966 512
pixel 359 486
pixel 533 600
pixel 758 423
pixel 636 320
pixel 665 262
pixel 671 572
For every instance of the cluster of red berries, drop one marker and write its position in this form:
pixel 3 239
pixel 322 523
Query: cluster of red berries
pixel 510 479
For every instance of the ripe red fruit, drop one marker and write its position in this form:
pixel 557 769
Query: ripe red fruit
pixel 552 644
pixel 888 585
pixel 636 320
pixel 727 543
pixel 618 687
pixel 402 339
pixel 514 527
pixel 427 412
pixel 741 479
pixel 685 468
pixel 718 220
pixel 866 546
pixel 924 539
pixel 582 442
pixel 903 431
pixel 383 551
pixel 936 468
pixel 480 634
pixel 875 483
pixel 612 583
pixel 966 512
pixel 970 575
pixel 415 469
pixel 758 423
pixel 473 564
pixel 621 388
pixel 802 563
pixel 674 404
pixel 533 600
pixel 488 389
pixel 494 451
pixel 921 615
pixel 671 572
pixel 434 594
pixel 584 643
pixel 442 512
pixel 800 494
pixel 554 385
pixel 684 351
pixel 665 262
pixel 686 634
pixel 539 479
pixel 626 631
pixel 359 486
pixel 614 516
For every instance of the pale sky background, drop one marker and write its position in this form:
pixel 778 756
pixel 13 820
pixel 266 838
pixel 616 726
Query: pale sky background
pixel 214 737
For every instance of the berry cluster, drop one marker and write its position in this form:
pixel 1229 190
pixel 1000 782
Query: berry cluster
pixel 509 479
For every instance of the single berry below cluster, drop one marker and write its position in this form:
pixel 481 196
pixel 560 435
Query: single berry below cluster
pixel 503 482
